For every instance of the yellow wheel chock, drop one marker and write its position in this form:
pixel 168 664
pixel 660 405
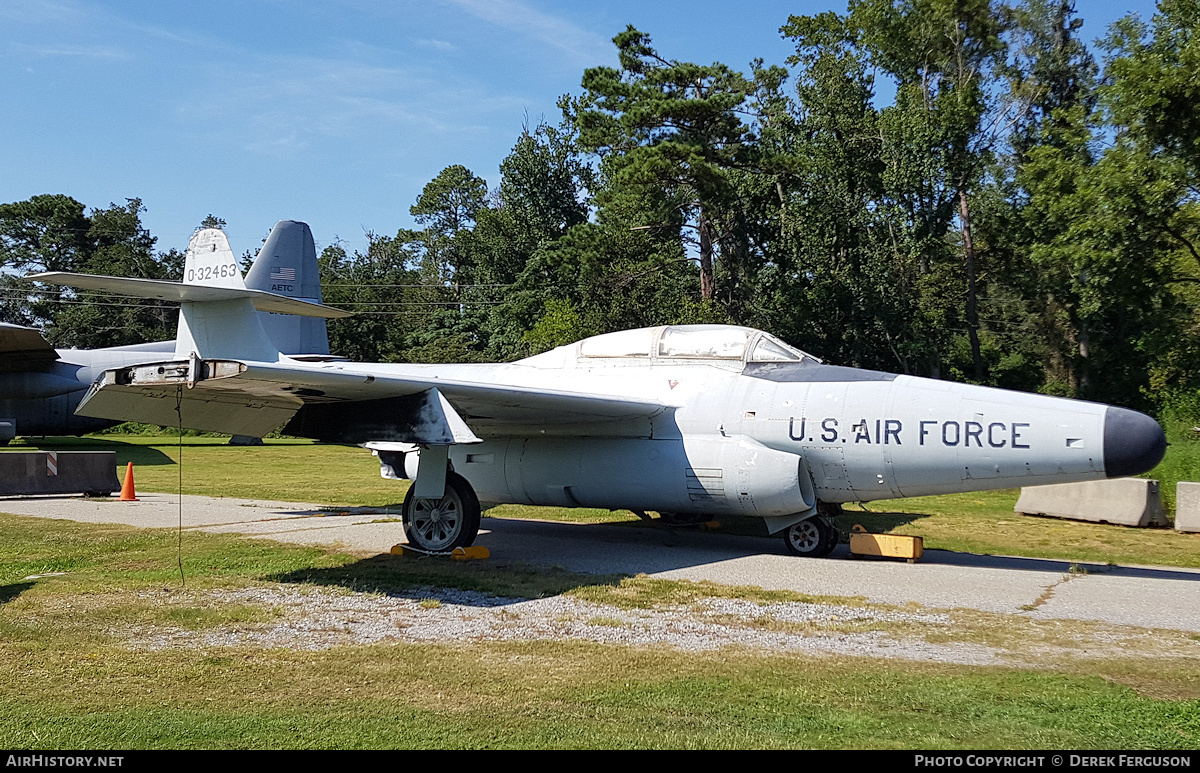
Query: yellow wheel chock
pixel 473 553
pixel 863 543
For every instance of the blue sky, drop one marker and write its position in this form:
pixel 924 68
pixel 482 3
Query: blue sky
pixel 336 113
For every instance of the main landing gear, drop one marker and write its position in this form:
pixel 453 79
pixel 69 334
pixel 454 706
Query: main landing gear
pixel 440 525
pixel 813 537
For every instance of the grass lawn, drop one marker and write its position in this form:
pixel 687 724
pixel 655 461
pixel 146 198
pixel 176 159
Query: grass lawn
pixel 284 469
pixel 73 597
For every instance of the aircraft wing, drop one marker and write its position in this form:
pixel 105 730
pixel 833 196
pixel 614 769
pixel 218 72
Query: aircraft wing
pixel 346 406
pixel 24 347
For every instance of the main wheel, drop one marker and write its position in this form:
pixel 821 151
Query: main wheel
pixel 439 525
pixel 815 537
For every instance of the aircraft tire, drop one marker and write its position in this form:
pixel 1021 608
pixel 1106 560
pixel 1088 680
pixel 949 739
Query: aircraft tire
pixel 811 538
pixel 440 525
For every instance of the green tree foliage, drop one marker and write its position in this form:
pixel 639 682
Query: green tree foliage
pixel 1154 85
pixel 673 128
pixel 447 207
pixel 1150 97
pixel 542 193
pixel 54 233
pixel 44 233
pixel 373 286
pixel 880 196
pixel 1033 282
pixel 835 287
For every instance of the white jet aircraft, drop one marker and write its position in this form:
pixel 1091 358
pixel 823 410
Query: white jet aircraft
pixel 691 421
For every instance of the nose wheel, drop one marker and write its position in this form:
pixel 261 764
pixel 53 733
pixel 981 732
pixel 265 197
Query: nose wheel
pixel 813 537
pixel 439 525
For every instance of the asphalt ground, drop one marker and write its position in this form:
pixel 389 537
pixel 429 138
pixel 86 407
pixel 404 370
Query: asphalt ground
pixel 1151 597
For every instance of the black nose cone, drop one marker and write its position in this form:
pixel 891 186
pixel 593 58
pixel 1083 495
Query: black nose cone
pixel 1133 443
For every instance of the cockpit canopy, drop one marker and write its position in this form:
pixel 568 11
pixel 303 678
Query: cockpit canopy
pixel 692 342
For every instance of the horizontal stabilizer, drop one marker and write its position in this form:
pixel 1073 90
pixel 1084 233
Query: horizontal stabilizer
pixel 179 292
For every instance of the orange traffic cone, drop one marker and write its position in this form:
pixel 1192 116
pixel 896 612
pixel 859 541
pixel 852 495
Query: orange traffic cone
pixel 127 492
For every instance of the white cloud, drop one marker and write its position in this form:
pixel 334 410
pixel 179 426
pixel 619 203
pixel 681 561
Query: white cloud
pixel 33 12
pixel 586 46
pixel 280 106
pixel 71 51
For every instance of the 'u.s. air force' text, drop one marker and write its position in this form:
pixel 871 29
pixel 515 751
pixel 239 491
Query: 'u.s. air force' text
pixel 995 434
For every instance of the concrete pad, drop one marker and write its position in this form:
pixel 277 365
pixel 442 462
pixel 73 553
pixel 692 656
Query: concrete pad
pixel 1187 506
pixel 1149 598
pixel 162 511
pixel 267 528
pixel 1121 501
pixel 299 523
pixel 935 585
pixel 357 538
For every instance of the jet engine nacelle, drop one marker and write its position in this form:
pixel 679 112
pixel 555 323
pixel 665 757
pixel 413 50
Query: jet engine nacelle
pixel 710 474
pixel 36 385
pixel 49 416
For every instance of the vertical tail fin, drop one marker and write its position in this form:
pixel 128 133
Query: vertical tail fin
pixel 287 265
pixel 229 328
pixel 210 261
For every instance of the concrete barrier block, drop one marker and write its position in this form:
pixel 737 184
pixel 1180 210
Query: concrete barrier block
pixel 58 472
pixel 1187 506
pixel 1122 501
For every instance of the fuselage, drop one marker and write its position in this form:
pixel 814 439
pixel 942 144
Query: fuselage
pixel 42 401
pixel 763 438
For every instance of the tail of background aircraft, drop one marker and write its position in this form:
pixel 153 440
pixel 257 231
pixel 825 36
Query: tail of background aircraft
pixel 287 265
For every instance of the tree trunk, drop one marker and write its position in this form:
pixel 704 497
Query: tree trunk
pixel 972 304
pixel 707 288
pixel 1084 380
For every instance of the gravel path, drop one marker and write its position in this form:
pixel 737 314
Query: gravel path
pixel 319 618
